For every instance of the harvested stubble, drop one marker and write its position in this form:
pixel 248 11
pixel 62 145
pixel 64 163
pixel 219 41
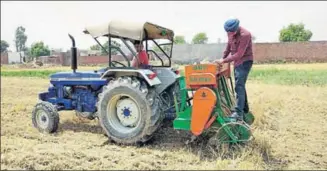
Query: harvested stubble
pixel 290 133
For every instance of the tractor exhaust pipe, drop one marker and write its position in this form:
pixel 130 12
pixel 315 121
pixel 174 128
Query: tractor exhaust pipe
pixel 73 54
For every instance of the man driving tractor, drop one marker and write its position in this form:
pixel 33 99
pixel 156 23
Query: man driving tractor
pixel 142 59
pixel 239 51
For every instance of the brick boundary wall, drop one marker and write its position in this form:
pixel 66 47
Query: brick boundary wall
pixel 4 58
pixel 304 52
pixel 290 52
pixel 89 60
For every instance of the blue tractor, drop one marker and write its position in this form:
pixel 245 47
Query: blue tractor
pixel 130 103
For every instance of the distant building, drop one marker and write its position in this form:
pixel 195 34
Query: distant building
pixel 14 57
pixel 4 58
pixel 94 53
pixel 82 52
pixel 55 52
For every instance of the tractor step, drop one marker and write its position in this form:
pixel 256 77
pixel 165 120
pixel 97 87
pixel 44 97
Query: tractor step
pixel 183 119
pixel 182 123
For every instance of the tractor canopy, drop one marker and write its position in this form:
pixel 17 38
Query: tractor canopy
pixel 157 41
pixel 130 30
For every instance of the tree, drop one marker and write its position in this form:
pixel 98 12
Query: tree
pixel 39 49
pixel 113 50
pixel 106 46
pixel 165 48
pixel 4 46
pixel 27 52
pixel 179 40
pixel 95 47
pixel 294 33
pixel 20 39
pixel 200 38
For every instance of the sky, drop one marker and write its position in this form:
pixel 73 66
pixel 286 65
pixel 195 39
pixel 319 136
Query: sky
pixel 51 22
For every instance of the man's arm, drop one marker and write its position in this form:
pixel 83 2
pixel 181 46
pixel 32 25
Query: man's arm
pixel 244 42
pixel 135 63
pixel 227 50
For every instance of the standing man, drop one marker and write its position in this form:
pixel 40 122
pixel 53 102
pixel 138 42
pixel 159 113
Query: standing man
pixel 239 51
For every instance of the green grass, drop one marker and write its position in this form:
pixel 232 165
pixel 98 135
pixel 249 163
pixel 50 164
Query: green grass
pixel 31 73
pixel 289 77
pixel 266 75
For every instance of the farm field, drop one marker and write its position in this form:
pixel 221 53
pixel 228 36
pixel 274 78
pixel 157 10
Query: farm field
pixel 289 102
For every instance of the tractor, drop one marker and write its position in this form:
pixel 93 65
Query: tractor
pixel 130 103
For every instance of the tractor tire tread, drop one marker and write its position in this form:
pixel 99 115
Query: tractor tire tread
pixel 154 119
pixel 52 113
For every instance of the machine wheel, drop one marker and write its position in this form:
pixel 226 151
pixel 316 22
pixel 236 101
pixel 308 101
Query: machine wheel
pixel 249 118
pixel 128 111
pixel 241 130
pixel 45 117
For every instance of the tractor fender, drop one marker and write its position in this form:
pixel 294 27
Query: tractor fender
pixel 143 73
pixel 167 77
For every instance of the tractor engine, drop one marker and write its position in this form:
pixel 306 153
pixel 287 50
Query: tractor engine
pixel 83 100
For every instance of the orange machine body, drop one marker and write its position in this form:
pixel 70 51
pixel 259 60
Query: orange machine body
pixel 204 101
pixel 203 79
pixel 197 76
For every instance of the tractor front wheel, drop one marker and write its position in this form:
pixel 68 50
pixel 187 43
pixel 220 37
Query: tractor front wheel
pixel 129 111
pixel 45 117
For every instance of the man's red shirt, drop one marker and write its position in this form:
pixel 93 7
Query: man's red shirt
pixel 239 48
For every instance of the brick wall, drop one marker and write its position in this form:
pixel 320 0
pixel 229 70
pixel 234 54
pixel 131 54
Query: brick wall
pixel 93 60
pixel 263 53
pixel 315 51
pixel 4 58
pixel 55 59
pixel 291 52
pixel 85 60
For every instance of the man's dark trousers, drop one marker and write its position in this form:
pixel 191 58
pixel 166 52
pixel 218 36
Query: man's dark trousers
pixel 241 73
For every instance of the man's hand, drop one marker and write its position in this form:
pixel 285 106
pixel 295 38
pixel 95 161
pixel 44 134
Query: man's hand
pixel 219 61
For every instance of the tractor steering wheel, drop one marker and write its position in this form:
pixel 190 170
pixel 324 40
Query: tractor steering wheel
pixel 113 63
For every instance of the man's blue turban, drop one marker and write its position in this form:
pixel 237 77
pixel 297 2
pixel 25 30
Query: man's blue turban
pixel 231 25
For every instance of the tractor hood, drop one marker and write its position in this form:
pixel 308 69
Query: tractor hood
pixel 76 75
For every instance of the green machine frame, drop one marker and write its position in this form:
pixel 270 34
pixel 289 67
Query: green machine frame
pixel 229 130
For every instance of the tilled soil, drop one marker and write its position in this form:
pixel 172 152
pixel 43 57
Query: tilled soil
pixel 290 133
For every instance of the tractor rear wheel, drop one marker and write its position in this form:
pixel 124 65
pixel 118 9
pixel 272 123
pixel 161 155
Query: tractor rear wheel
pixel 129 111
pixel 45 117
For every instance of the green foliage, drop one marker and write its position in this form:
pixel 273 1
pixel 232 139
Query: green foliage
pixel 27 51
pixel 270 76
pixel 39 49
pixel 106 46
pixel 20 39
pixel 295 33
pixel 200 38
pixel 95 47
pixel 179 40
pixel 4 46
pixel 289 77
pixel 165 48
